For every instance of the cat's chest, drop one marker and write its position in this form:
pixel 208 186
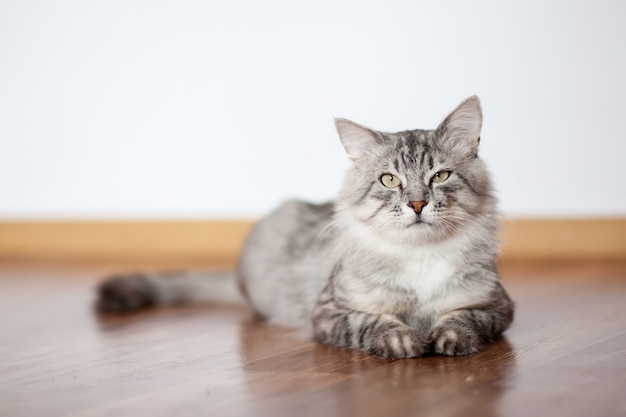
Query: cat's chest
pixel 413 286
pixel 428 276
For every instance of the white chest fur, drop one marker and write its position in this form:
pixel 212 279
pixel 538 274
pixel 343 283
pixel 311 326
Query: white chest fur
pixel 432 272
pixel 428 274
pixel 438 284
pixel 435 273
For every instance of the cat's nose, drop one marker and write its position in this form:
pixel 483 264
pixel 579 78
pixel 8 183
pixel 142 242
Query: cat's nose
pixel 417 206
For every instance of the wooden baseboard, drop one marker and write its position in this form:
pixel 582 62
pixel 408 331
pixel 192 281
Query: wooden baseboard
pixel 219 242
pixel 581 239
pixel 205 242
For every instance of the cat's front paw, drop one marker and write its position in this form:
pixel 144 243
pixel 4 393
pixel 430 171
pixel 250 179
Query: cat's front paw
pixel 125 293
pixel 451 340
pixel 397 342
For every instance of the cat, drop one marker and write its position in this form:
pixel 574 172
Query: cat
pixel 403 263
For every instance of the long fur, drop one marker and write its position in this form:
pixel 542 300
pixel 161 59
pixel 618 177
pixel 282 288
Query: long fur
pixel 369 270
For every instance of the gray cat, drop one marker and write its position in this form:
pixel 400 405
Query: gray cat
pixel 401 265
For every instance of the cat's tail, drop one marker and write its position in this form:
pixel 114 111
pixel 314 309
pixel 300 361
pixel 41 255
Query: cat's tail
pixel 131 292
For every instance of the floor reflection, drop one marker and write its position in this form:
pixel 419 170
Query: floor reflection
pixel 313 379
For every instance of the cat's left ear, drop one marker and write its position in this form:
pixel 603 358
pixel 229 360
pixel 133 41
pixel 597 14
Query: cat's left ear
pixel 461 129
pixel 358 140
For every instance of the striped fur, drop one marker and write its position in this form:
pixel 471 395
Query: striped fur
pixel 399 272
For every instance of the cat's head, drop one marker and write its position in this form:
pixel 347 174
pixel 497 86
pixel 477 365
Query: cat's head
pixel 417 185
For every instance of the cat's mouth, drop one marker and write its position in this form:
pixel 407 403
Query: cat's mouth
pixel 419 223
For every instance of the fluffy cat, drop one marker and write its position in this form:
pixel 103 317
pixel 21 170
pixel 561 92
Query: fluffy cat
pixel 402 264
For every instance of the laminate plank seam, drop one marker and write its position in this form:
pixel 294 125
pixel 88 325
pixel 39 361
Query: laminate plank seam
pixel 595 343
pixel 193 383
pixel 95 367
pixel 133 398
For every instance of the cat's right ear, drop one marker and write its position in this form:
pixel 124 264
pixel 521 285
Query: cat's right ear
pixel 358 140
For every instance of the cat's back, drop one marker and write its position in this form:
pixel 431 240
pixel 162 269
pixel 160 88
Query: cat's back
pixel 289 230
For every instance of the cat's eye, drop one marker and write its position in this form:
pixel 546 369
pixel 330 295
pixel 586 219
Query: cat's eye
pixel 390 181
pixel 440 176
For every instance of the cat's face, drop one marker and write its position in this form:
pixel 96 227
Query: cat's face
pixel 419 185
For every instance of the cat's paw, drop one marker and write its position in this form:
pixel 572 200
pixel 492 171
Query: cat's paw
pixel 125 293
pixel 396 342
pixel 449 340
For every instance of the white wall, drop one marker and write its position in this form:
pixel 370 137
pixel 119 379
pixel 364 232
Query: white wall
pixel 178 109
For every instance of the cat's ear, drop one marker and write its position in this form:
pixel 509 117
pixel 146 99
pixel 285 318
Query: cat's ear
pixel 461 129
pixel 358 140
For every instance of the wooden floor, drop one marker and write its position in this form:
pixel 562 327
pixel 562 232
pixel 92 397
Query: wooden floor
pixel 565 355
